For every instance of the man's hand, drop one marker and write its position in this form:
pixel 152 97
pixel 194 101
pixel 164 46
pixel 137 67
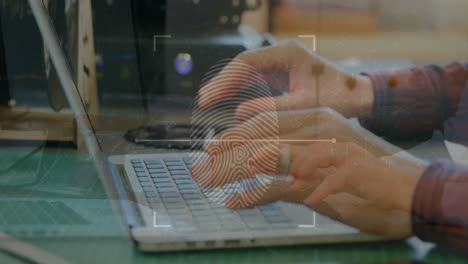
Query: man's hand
pixel 379 181
pixel 253 147
pixel 366 216
pixel 300 127
pixel 307 80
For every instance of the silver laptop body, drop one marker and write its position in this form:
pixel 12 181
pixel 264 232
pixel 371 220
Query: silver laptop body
pixel 164 208
pixel 175 214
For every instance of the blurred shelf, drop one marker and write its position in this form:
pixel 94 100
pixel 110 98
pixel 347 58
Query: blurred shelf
pixel 419 47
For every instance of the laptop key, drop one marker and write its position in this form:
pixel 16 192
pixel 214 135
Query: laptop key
pixel 204 215
pixel 181 216
pixel 182 175
pixel 172 198
pixel 195 207
pixel 193 202
pixel 150 194
pixel 143 179
pixel 184 178
pixel 191 191
pixel 190 198
pixel 272 212
pixel 155 166
pixel 182 221
pixel 147 188
pixel 137 165
pixel 171 159
pixel 165 190
pixel 154 200
pixel 155 171
pixel 255 221
pixel 166 185
pixel 146 184
pixel 177 210
pixel 141 174
pixel 178 205
pixel 159 175
pixel 161 180
pixel 203 212
pixel 152 161
pixel 156 207
pixel 235 224
pixel 224 210
pixel 189 188
pixel 177 168
pixel 172 162
pixel 183 181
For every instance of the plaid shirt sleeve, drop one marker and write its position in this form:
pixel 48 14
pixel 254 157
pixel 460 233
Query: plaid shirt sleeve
pixel 420 101
pixel 415 102
pixel 439 211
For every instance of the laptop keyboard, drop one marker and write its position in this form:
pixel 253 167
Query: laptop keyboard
pixel 172 193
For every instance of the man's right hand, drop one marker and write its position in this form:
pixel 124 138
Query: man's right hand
pixel 254 147
pixel 307 80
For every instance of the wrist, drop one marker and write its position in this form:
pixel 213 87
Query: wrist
pixel 405 175
pixel 365 99
pixel 407 192
pixel 359 101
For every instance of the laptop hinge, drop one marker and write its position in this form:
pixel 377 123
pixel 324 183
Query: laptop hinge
pixel 127 209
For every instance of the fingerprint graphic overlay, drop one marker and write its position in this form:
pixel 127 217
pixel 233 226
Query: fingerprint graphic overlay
pixel 238 159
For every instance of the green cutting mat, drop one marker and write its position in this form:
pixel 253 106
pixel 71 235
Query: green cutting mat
pixel 64 172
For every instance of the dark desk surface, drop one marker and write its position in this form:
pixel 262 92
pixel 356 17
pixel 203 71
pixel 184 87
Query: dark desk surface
pixel 57 171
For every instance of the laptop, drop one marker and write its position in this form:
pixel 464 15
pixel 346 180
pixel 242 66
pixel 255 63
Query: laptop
pixel 165 210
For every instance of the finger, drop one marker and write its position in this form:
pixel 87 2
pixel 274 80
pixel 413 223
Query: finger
pixel 304 161
pixel 340 206
pixel 300 189
pixel 256 106
pixel 199 168
pixel 266 160
pixel 267 126
pixel 324 155
pixel 362 214
pixel 235 76
pixel 286 189
pixel 263 128
pixel 330 185
pixel 243 70
pixel 241 162
pixel 260 195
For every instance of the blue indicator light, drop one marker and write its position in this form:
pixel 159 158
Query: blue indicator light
pixel 184 63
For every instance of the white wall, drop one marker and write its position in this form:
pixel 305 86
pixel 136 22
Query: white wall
pixel 424 15
pixel 452 15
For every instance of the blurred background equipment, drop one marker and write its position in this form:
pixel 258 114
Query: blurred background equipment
pixel 36 109
pixel 178 41
pixel 4 87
